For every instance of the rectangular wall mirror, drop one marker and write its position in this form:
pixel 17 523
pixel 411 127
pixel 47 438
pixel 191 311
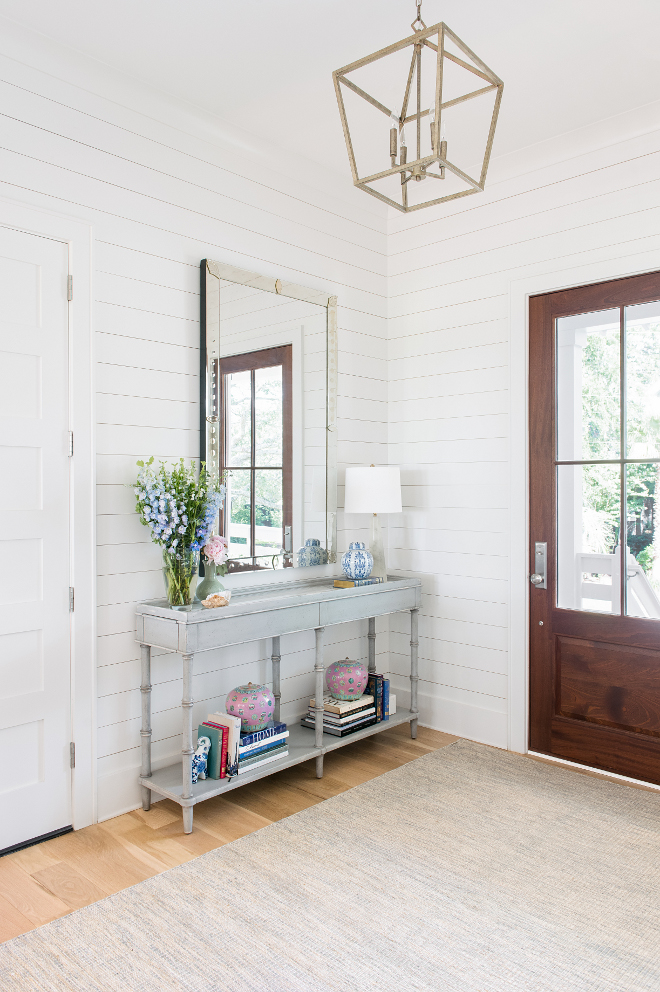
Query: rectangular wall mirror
pixel 268 402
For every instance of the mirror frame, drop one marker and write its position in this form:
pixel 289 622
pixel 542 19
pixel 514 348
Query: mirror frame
pixel 211 273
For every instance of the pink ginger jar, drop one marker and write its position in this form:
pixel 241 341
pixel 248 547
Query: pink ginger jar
pixel 346 679
pixel 254 704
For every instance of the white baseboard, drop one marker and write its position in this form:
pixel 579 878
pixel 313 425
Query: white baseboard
pixel 450 716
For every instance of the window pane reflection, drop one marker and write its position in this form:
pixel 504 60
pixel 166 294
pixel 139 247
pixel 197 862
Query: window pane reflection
pixel 268 511
pixel 588 388
pixel 643 566
pixel 643 380
pixel 588 512
pixel 238 502
pixel 239 418
pixel 268 416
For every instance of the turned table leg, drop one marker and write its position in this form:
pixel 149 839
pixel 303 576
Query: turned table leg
pixel 414 674
pixel 145 732
pixel 318 699
pixel 187 749
pixel 276 658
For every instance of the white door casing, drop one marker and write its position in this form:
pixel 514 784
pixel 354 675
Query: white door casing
pixel 35 676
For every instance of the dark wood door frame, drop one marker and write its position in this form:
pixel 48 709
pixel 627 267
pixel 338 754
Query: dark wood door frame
pixel 632 753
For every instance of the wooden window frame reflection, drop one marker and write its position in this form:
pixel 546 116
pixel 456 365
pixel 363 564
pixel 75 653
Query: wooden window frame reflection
pixel 250 362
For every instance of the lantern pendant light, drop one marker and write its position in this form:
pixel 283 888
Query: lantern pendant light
pixel 416 166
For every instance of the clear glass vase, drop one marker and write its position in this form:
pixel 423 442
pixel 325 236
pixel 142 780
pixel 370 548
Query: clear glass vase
pixel 210 584
pixel 180 571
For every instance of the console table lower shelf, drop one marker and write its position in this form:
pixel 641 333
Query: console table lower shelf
pixel 168 781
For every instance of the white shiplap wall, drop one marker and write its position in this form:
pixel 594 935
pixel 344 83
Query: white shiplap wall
pixel 450 273
pixel 159 200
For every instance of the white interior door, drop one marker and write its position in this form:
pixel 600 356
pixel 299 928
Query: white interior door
pixel 35 676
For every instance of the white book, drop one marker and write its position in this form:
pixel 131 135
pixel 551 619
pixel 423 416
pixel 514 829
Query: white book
pixel 234 724
pixel 244 769
pixel 266 742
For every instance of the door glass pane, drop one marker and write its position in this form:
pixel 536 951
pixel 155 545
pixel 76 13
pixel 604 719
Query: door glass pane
pixel 588 389
pixel 643 380
pixel 238 391
pixel 238 502
pixel 643 565
pixel 588 511
pixel 268 511
pixel 268 416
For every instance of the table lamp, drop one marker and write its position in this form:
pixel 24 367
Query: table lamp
pixel 374 490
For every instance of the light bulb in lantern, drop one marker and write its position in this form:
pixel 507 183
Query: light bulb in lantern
pixel 443 146
pixel 394 125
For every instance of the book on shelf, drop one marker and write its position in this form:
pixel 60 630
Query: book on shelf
pixel 216 766
pixel 342 707
pixel 262 759
pixel 340 721
pixel 249 749
pixel 340 731
pixel 233 724
pixel 353 583
pixel 270 730
pixel 375 687
pixel 386 699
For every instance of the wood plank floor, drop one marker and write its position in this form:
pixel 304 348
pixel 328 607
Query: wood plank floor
pixel 52 879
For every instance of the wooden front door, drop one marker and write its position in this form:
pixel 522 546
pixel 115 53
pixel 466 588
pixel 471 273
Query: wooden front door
pixel 595 525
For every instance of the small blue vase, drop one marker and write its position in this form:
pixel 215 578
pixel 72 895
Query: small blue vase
pixel 312 553
pixel 357 562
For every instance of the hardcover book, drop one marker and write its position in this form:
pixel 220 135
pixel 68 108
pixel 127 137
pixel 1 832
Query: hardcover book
pixel 271 730
pixel 233 723
pixel 352 583
pixel 217 759
pixel 342 707
pixel 386 699
pixel 262 759
pixel 262 745
pixel 375 686
pixel 341 721
pixel 343 731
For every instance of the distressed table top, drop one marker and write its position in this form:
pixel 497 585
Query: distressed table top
pixel 271 610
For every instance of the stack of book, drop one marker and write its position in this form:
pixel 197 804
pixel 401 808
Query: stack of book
pixel 232 752
pixel 262 746
pixel 340 717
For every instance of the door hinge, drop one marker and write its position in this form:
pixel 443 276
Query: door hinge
pixel 70 444
pixel 70 599
pixel 69 288
pixel 72 754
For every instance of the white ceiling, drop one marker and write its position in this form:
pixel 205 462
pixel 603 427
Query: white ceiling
pixel 266 64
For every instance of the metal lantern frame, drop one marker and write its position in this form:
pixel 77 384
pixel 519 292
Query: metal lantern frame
pixel 416 169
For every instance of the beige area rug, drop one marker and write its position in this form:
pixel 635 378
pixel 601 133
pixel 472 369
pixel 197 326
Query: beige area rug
pixel 469 869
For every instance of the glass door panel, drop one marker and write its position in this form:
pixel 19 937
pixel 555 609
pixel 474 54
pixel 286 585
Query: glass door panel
pixel 643 564
pixel 588 386
pixel 239 418
pixel 268 507
pixel 588 514
pixel 642 329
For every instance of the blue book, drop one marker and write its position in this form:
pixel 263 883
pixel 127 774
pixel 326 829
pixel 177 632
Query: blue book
pixel 386 699
pixel 271 730
pixel 261 746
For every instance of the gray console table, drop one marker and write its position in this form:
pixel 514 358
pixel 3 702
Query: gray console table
pixel 260 612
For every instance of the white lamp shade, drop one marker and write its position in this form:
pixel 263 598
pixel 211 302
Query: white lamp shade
pixel 373 490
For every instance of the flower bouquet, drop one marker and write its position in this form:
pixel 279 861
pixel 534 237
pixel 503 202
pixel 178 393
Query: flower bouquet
pixel 180 510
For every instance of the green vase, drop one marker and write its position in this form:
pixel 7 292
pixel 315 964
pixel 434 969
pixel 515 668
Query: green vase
pixel 209 584
pixel 180 571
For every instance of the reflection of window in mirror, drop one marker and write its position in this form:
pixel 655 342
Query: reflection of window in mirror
pixel 256 456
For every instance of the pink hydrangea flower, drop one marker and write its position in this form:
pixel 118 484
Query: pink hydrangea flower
pixel 216 549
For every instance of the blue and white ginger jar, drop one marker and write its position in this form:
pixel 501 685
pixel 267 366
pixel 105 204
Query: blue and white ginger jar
pixel 357 562
pixel 312 553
